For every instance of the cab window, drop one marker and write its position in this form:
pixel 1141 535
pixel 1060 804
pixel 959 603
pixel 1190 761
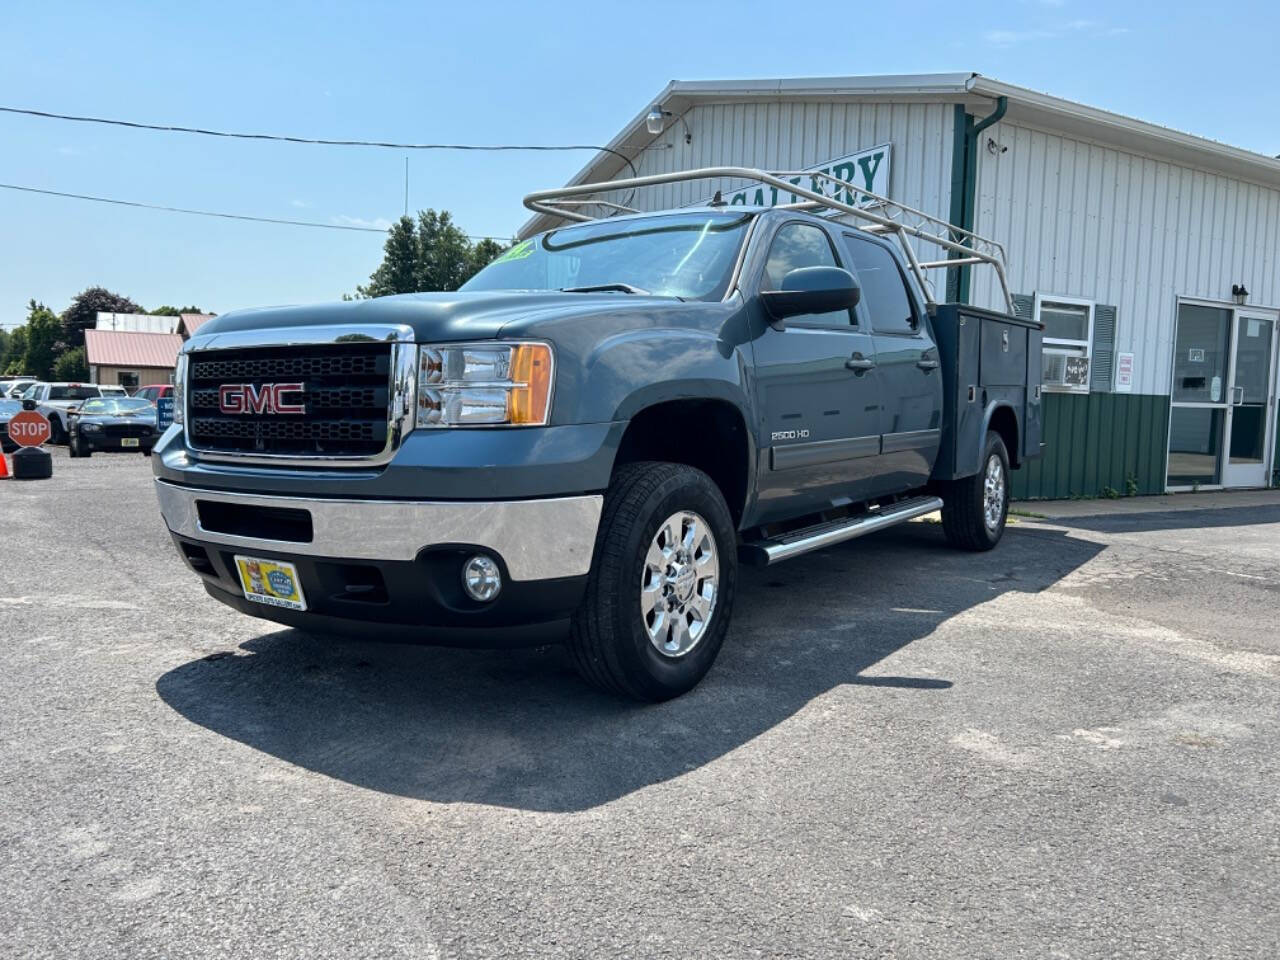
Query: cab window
pixel 884 291
pixel 797 245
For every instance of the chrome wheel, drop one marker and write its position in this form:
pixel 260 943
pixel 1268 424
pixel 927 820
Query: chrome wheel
pixel 679 584
pixel 993 494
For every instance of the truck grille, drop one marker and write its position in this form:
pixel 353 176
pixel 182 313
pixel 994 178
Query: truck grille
pixel 346 394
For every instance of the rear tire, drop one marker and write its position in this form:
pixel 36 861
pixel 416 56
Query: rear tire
pixel 661 585
pixel 974 509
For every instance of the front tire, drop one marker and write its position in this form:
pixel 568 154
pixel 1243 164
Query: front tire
pixel 56 433
pixel 974 509
pixel 661 586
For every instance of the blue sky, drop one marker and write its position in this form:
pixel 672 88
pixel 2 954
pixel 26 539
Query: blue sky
pixel 482 73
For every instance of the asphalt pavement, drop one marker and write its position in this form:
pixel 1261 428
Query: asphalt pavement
pixel 1066 748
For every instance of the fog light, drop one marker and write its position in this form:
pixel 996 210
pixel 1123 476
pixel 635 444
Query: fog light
pixel 481 578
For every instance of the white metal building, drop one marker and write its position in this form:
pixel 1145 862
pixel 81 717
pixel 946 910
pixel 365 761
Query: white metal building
pixel 1131 242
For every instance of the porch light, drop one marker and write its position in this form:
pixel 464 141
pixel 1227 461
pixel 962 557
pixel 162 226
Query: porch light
pixel 656 120
pixel 1239 293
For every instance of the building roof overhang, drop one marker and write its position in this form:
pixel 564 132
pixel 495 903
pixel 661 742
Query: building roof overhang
pixel 976 92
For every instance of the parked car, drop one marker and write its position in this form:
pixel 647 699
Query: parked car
pixel 155 391
pixel 57 400
pixel 584 441
pixel 112 423
pixel 8 408
pixel 14 388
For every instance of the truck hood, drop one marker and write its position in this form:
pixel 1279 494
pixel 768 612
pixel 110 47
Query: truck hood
pixel 441 317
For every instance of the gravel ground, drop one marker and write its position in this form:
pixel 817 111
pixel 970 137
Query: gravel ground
pixel 1065 748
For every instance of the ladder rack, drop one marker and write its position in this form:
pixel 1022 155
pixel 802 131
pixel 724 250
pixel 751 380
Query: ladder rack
pixel 882 216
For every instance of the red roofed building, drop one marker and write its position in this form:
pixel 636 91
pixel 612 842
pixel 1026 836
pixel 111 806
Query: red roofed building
pixel 190 323
pixel 130 359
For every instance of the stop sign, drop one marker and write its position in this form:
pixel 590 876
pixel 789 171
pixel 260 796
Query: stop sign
pixel 29 428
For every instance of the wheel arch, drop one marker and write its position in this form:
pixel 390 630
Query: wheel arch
pixel 706 432
pixel 1003 419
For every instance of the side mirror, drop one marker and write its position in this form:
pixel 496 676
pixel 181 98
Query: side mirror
pixel 812 290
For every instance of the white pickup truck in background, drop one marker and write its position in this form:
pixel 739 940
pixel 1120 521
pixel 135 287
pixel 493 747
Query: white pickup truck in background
pixel 55 400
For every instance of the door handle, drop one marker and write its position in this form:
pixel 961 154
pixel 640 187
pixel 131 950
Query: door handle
pixel 927 364
pixel 859 364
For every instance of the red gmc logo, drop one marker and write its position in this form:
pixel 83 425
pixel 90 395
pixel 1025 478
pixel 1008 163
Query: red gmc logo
pixel 240 398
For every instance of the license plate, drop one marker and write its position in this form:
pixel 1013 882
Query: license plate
pixel 273 582
pixel 128 441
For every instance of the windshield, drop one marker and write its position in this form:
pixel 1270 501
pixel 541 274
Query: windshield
pixel 114 405
pixel 684 255
pixel 72 393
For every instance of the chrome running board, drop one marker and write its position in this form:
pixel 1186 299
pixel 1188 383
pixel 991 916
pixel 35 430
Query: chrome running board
pixel 762 553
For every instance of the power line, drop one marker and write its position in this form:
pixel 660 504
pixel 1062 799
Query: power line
pixel 213 213
pixel 316 141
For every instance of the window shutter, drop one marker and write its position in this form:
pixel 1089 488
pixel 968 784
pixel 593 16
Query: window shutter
pixel 1024 306
pixel 1104 348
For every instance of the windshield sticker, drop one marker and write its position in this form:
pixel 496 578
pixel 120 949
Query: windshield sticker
pixel 518 252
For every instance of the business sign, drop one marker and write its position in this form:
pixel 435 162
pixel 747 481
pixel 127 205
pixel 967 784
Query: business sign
pixel 865 170
pixel 164 413
pixel 1124 373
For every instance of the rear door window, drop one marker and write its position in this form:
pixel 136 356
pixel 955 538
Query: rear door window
pixel 884 290
pixel 72 393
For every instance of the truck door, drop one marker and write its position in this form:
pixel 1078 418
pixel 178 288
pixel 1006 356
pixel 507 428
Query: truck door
pixel 817 393
pixel 906 361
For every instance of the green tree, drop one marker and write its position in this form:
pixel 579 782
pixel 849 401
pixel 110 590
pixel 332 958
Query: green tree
pixel 397 272
pixel 4 349
pixel 484 253
pixel 168 311
pixel 431 254
pixel 443 252
pixel 17 352
pixel 44 332
pixel 84 310
pixel 72 365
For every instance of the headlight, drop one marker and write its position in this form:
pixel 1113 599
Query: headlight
pixel 91 427
pixel 484 384
pixel 180 389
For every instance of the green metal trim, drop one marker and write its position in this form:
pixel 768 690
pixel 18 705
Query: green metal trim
pixel 1275 457
pixel 964 176
pixel 1098 444
pixel 959 139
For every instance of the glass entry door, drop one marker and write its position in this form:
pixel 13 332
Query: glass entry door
pixel 1250 403
pixel 1222 421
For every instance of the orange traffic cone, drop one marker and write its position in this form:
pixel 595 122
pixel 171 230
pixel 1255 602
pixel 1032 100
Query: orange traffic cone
pixel 4 467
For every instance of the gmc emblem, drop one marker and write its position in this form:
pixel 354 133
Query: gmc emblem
pixel 241 398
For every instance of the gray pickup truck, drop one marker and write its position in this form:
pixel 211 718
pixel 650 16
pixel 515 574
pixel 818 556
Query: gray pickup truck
pixel 585 441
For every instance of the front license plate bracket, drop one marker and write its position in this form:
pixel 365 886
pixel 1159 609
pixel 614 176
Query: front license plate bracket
pixel 274 583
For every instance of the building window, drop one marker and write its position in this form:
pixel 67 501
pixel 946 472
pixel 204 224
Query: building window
pixel 1068 342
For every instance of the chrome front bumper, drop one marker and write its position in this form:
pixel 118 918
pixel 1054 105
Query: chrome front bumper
pixel 536 539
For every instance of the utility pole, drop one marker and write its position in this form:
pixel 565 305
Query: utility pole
pixel 406 186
